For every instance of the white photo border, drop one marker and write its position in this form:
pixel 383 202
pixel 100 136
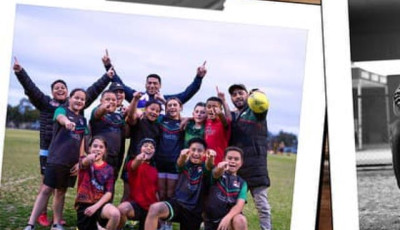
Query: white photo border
pixel 292 15
pixel 340 115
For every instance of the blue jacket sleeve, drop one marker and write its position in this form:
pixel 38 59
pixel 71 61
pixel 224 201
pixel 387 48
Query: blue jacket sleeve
pixel 128 90
pixel 189 92
pixel 35 95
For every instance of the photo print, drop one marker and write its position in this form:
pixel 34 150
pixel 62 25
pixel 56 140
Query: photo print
pixel 281 58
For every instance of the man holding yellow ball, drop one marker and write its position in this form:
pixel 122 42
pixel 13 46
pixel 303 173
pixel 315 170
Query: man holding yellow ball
pixel 249 132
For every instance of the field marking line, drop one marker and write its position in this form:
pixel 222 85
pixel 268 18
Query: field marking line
pixel 17 181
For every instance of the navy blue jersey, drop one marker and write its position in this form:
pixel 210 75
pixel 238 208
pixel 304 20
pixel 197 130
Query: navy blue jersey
pixel 65 145
pixel 144 128
pixel 223 195
pixel 46 105
pixel 171 140
pixel 111 127
pixel 190 186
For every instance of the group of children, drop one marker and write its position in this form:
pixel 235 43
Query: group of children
pixel 175 170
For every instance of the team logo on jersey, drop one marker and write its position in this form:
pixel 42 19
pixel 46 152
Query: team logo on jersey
pixel 236 184
pixel 54 103
pixel 209 131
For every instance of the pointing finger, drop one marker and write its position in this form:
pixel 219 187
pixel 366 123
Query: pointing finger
pixel 107 52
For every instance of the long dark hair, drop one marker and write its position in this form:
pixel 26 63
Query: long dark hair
pixel 102 139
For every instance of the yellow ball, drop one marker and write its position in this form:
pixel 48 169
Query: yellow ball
pixel 258 102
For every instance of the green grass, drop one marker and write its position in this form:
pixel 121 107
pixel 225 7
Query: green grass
pixel 20 181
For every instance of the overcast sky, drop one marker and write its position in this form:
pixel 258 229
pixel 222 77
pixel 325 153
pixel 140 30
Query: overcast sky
pixel 53 43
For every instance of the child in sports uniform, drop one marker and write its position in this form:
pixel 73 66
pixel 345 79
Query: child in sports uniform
pixel 95 189
pixel 106 122
pixel 62 164
pixel 186 204
pixel 195 127
pixel 218 125
pixel 143 182
pixel 169 147
pixel 118 89
pixel 227 194
pixel 145 126
pixel 47 104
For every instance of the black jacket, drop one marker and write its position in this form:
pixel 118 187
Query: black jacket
pixel 46 105
pixel 249 132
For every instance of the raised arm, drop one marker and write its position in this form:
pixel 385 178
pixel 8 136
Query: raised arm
pixel 95 90
pixel 35 95
pixel 107 65
pixel 192 89
pixel 220 169
pixel 139 159
pixel 227 111
pixel 210 157
pixel 131 117
pixel 101 110
pixel 185 153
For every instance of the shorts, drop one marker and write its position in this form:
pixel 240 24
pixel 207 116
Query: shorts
pixel 140 214
pixel 43 163
pixel 89 222
pixel 170 176
pixel 166 167
pixel 114 162
pixel 58 176
pixel 188 219
pixel 211 225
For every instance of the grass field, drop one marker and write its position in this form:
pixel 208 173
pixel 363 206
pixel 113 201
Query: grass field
pixel 20 181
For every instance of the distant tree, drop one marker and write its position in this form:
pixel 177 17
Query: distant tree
pixel 289 139
pixel 23 112
pixel 31 115
pixel 13 114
